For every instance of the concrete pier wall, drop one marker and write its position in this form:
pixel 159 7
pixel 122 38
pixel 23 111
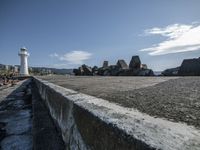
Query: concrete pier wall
pixel 87 122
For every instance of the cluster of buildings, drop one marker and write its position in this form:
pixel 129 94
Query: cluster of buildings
pixel 10 68
pixel 40 70
pixel 15 69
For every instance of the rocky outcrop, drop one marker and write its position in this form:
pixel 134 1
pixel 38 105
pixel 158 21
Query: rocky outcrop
pixel 87 70
pixel 145 72
pixel 171 72
pixel 95 70
pixel 111 70
pixel 136 72
pixel 121 68
pixel 190 67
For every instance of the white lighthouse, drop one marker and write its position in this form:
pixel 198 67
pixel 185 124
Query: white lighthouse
pixel 24 61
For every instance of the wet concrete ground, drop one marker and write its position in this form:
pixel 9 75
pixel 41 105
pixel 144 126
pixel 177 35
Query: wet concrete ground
pixel 174 98
pixel 16 119
pixel 25 123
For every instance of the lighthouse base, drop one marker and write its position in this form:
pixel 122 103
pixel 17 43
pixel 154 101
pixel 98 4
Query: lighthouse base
pixel 23 75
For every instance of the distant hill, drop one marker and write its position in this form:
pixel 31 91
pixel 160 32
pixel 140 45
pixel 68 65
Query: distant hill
pixel 39 69
pixel 53 70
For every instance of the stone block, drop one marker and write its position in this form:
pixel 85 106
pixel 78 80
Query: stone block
pixel 122 64
pixel 190 67
pixel 105 64
pixel 135 63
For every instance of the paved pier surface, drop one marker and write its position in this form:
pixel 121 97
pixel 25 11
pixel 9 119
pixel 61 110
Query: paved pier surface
pixel 174 98
pixel 25 123
pixel 15 117
pixel 46 136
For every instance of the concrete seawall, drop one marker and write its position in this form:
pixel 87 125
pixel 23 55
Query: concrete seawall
pixel 87 122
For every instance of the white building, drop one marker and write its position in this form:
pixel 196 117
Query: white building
pixel 24 61
pixel 16 69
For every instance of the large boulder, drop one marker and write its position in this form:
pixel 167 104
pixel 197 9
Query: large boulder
pixel 95 70
pixel 136 72
pixel 122 64
pixel 83 70
pixel 100 71
pixel 87 70
pixel 130 72
pixel 76 72
pixel 190 67
pixel 145 72
pixel 171 72
pixel 112 70
pixel 135 63
pixel 126 72
pixel 144 66
pixel 105 64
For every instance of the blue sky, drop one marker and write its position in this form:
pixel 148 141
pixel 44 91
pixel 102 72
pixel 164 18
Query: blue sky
pixel 66 33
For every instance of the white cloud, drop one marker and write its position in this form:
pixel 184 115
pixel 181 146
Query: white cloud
pixel 73 57
pixel 180 38
pixel 53 55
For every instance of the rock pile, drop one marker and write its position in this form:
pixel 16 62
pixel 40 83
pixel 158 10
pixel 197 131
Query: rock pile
pixel 189 67
pixel 83 70
pixel 7 80
pixel 171 72
pixel 135 68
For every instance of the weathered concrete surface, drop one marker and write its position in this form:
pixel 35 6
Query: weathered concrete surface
pixel 46 136
pixel 15 117
pixel 177 99
pixel 98 85
pixel 18 131
pixel 88 122
pixel 61 111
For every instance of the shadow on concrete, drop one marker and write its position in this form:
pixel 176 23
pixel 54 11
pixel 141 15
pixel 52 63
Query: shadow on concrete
pixel 46 135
